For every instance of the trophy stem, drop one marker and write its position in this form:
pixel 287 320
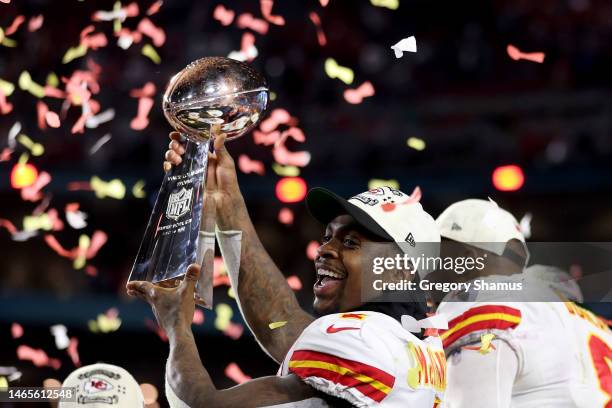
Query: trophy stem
pixel 170 241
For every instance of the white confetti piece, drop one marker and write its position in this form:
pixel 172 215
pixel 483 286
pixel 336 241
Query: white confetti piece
pixel 404 45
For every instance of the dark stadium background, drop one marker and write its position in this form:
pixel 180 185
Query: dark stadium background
pixel 475 108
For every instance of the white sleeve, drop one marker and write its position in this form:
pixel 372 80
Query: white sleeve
pixel 478 380
pixel 173 400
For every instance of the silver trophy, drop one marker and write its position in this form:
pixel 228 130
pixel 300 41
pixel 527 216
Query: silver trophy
pixel 209 97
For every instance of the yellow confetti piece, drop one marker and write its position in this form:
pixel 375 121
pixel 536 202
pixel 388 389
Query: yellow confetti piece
pixel 104 324
pixel 3 383
pixel 485 343
pixel 224 315
pixel 7 42
pixel 26 84
pixel 374 183
pixel 286 171
pixel 117 22
pixel 230 293
pixel 151 53
pixel 416 143
pixel 272 96
pixel 113 189
pixel 52 80
pixel 36 148
pixel 80 260
pixel 276 325
pixel 74 53
pixel 390 4
pixel 138 189
pixel 37 222
pixel 6 87
pixel 333 70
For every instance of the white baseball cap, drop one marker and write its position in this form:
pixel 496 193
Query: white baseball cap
pixel 103 385
pixel 480 223
pixel 384 211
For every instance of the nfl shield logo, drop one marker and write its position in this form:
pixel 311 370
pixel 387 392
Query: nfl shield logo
pixel 179 203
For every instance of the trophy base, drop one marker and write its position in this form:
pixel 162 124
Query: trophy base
pixel 174 282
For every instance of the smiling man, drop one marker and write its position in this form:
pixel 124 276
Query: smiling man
pixel 357 352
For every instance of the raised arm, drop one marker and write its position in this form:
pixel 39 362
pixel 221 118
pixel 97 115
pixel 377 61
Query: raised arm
pixel 263 292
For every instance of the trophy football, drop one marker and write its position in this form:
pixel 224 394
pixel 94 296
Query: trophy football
pixel 209 97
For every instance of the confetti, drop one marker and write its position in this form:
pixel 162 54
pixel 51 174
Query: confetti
pixel 223 15
pixel 234 330
pixel 105 323
pixel 150 52
pixel 74 217
pixel 265 139
pixel 517 54
pixel 324 3
pixel 156 34
pixel 356 96
pixel 32 192
pixel 3 380
pixel 246 20
pixel 16 330
pixel 11 29
pixel 266 10
pixel 390 4
pixel 246 165
pixel 416 143
pixel 60 334
pixel 73 351
pixel 198 317
pixel 374 183
pixel 35 148
pixel 276 325
pixel 285 216
pixel 286 171
pixel 118 13
pixel 248 51
pixel 138 189
pixel 26 84
pixel 5 106
pixel 283 156
pixel 6 87
pixel 404 45
pixel 277 117
pixel 224 314
pixel 48 221
pixel 314 17
pixel 525 225
pixel 37 356
pixel 154 8
pixel 333 70
pixel 234 373
pixel 93 122
pixel 112 189
pixel 141 121
pixel 485 344
pixel 35 23
pixel 158 330
pixel 87 248
pixel 294 282
pixel 312 249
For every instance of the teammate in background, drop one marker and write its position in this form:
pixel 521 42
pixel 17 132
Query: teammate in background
pixel 357 352
pixel 507 349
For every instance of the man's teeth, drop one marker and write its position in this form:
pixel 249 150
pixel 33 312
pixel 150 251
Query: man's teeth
pixel 325 272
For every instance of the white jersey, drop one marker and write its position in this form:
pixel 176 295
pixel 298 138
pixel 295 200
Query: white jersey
pixel 369 360
pixel 562 353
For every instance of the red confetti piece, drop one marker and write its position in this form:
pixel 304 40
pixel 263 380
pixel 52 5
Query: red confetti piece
pixel 324 2
pixel 131 10
pixel 154 8
pixel 517 54
pixel 246 20
pixel 246 165
pixel 54 92
pixel 277 117
pixel 5 106
pixel 149 29
pixel 311 249
pixel 73 352
pixel 198 316
pixel 357 95
pixel 147 91
pixel 314 17
pixel 41 111
pixel 223 15
pixel 283 156
pixel 9 226
pixel 266 11
pixel 5 155
pixel 91 270
pixel 94 41
pixel 35 23
pixel 234 330
pixel 294 282
pixel 285 216
pixel 266 139
pixel 32 192
pixel 234 373
pixel 16 330
pixel 98 240
pixel 38 357
pixel 14 25
pixel 141 120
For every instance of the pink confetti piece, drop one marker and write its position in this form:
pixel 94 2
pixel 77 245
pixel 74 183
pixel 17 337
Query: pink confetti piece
pixel 5 106
pixel 294 282
pixel 295 133
pixel 356 96
pixel 53 92
pixel 14 25
pixel 147 91
pixel 314 17
pixel 266 10
pixel 98 239
pixel 141 121
pixel 5 155
pixel 223 15
pixel 266 139
pixel 16 330
pixel 9 226
pixel 415 196
pixel 246 165
pixel 91 270
pixel 283 156
pixel 277 117
pixel 112 313
pixel 32 193
pixel 41 112
pixel 311 249
pixel 5 1
pixel 149 29
pixel 234 330
pixel 158 330
pixel 247 47
pixel 35 23
pixel 285 216
pixel 79 125
pixel 246 20
pixel 94 41
pixel 73 351
pixel 52 119
pixel 154 8
pixel 324 3
pixel 38 357
pixel 198 317
pixel 132 10
pixel 234 373
pixel 517 54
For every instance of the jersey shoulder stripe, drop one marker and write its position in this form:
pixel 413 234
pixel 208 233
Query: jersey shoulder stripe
pixel 370 381
pixel 480 318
